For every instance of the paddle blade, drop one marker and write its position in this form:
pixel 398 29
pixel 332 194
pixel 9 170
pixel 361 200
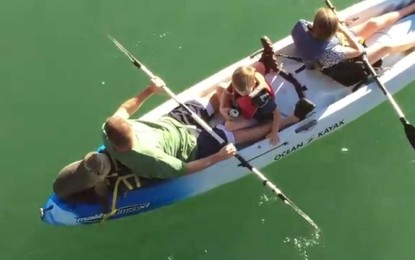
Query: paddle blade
pixel 409 131
pixel 133 59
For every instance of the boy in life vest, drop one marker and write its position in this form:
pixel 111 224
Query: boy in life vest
pixel 249 100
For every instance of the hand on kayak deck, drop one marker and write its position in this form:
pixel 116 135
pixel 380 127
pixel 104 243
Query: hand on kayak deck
pixel 156 85
pixel 273 137
pixel 227 151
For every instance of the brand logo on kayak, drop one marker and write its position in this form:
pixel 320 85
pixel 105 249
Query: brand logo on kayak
pixel 301 144
pixel 330 128
pixel 120 211
pixel 288 151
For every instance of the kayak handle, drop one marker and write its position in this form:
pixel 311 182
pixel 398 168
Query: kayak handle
pixel 306 126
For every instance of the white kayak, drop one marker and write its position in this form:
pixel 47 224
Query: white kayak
pixel 336 106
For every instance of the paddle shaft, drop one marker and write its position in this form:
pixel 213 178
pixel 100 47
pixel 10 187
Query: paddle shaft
pixel 373 72
pixel 278 55
pixel 206 127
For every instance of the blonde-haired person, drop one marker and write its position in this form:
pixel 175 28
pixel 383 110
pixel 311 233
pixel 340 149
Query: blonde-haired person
pixel 249 100
pixel 328 45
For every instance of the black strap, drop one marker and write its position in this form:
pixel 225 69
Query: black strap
pixel 290 78
pixel 300 69
pixel 289 57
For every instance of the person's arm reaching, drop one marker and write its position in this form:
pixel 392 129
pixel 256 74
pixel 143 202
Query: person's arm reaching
pixel 225 104
pixel 354 50
pixel 131 106
pixel 276 121
pixel 157 164
pixel 225 153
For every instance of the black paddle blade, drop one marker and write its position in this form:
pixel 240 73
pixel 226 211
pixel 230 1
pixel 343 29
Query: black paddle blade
pixel 127 53
pixel 409 131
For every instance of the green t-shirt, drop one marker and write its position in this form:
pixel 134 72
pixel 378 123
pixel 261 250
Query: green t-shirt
pixel 162 149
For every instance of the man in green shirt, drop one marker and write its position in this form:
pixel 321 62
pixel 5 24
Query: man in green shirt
pixel 164 148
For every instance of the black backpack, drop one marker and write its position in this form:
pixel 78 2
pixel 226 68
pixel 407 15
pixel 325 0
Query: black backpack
pixel 350 72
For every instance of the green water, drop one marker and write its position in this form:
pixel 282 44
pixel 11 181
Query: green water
pixel 60 77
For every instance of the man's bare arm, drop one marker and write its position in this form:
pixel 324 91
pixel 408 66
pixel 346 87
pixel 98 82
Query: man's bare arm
pixel 131 106
pixel 225 153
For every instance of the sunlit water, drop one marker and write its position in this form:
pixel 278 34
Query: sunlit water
pixel 301 244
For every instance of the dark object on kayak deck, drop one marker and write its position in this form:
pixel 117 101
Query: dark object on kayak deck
pixel 303 108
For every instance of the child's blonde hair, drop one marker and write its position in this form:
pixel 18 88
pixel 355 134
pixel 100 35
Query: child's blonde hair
pixel 243 78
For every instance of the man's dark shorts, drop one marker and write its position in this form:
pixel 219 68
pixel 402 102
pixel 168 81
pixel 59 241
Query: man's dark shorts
pixel 207 145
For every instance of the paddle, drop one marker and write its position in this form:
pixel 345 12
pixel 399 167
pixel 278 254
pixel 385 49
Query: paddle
pixel 277 54
pixel 206 127
pixel 409 129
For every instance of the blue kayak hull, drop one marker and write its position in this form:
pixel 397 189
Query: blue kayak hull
pixel 149 197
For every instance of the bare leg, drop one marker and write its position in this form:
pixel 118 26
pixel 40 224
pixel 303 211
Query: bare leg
pixel 260 67
pixel 239 123
pixel 288 121
pixel 252 134
pixel 366 29
pixel 214 96
pixel 378 51
pixel 259 132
